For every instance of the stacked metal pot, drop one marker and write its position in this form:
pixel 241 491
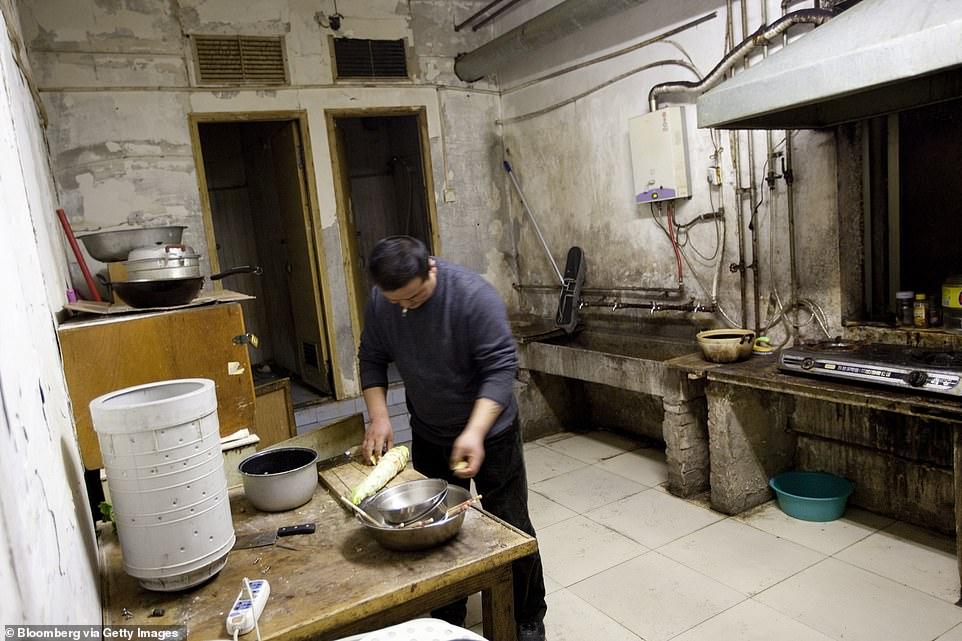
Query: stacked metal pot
pixel 166 261
pixel 161 272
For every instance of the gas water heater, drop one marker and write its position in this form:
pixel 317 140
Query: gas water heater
pixel 659 155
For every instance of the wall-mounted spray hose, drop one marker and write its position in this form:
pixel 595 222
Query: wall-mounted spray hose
pixel 763 35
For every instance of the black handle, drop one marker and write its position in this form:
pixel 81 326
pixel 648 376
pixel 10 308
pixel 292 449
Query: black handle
pixel 290 530
pixel 246 269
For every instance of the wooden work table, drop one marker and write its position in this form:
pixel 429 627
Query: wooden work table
pixel 337 582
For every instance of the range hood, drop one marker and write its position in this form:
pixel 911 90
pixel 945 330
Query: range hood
pixel 879 57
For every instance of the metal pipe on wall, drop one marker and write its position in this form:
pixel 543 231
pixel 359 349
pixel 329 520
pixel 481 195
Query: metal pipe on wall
pixel 474 16
pixel 564 19
pixel 736 170
pixel 762 35
pixel 601 291
pixel 789 174
pixel 753 192
pixel 494 15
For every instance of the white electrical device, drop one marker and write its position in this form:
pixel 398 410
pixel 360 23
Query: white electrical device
pixel 659 155
pixel 242 618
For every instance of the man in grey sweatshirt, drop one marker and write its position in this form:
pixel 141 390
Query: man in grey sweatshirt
pixel 446 330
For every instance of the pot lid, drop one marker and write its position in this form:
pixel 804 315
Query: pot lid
pixel 162 251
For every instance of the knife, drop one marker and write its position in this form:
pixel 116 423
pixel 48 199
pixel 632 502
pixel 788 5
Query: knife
pixel 260 539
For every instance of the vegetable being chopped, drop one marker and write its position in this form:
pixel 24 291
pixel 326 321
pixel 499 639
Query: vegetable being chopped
pixel 386 469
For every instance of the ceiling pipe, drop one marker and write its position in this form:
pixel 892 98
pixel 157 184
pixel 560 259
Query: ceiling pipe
pixel 566 18
pixel 494 15
pixel 477 14
pixel 764 35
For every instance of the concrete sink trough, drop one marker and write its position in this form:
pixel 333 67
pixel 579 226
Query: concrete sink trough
pixel 641 363
pixel 637 362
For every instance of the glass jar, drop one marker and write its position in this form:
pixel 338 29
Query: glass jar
pixel 904 312
pixel 921 311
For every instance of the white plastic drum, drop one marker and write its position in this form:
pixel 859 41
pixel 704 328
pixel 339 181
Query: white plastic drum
pixel 165 470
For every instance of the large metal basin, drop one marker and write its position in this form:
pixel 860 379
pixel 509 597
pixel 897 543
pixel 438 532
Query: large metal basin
pixel 636 362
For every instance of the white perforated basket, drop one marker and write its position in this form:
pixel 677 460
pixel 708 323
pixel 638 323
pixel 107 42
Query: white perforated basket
pixel 165 471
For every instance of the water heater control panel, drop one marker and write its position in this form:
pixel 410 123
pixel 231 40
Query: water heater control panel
pixel 659 155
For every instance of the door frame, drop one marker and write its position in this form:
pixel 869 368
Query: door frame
pixel 322 279
pixel 345 227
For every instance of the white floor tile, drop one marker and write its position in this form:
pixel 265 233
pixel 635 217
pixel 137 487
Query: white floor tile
pixel 586 489
pixel 655 597
pixel 592 447
pixel 553 438
pixel 827 538
pixel 912 556
pixel 645 466
pixel 740 556
pixel 846 602
pixel 473 616
pixel 572 619
pixel 550 585
pixel 653 518
pixel 751 621
pixel 955 634
pixel 542 463
pixel 545 512
pixel 575 549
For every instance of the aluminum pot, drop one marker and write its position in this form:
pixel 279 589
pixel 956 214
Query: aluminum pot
pixel 115 245
pixel 280 479
pixel 164 261
pixel 726 345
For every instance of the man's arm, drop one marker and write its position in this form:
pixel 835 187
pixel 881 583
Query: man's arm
pixel 495 356
pixel 469 446
pixel 374 358
pixel 379 436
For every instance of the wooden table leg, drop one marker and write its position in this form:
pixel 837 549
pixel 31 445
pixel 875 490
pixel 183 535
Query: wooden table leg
pixel 497 608
pixel 957 475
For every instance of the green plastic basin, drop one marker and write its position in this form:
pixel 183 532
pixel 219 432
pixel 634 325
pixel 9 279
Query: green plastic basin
pixel 811 496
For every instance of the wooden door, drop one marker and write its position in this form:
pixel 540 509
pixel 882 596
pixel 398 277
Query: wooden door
pixel 287 154
pixel 356 257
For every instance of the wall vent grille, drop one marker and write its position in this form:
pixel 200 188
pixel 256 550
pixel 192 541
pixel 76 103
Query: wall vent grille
pixel 240 60
pixel 358 58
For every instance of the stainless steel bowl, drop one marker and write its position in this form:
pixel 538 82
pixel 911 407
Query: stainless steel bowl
pixel 420 538
pixel 114 246
pixel 407 502
pixel 280 479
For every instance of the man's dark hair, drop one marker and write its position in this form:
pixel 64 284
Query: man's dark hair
pixel 396 260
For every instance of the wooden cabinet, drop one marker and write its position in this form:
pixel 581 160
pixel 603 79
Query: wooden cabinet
pixel 106 354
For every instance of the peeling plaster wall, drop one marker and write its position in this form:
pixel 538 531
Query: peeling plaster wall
pixel 575 167
pixel 115 76
pixel 48 564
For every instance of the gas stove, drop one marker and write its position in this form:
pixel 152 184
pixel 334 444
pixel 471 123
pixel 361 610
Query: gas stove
pixel 909 368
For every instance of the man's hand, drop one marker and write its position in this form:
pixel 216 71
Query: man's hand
pixel 378 439
pixel 467 454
